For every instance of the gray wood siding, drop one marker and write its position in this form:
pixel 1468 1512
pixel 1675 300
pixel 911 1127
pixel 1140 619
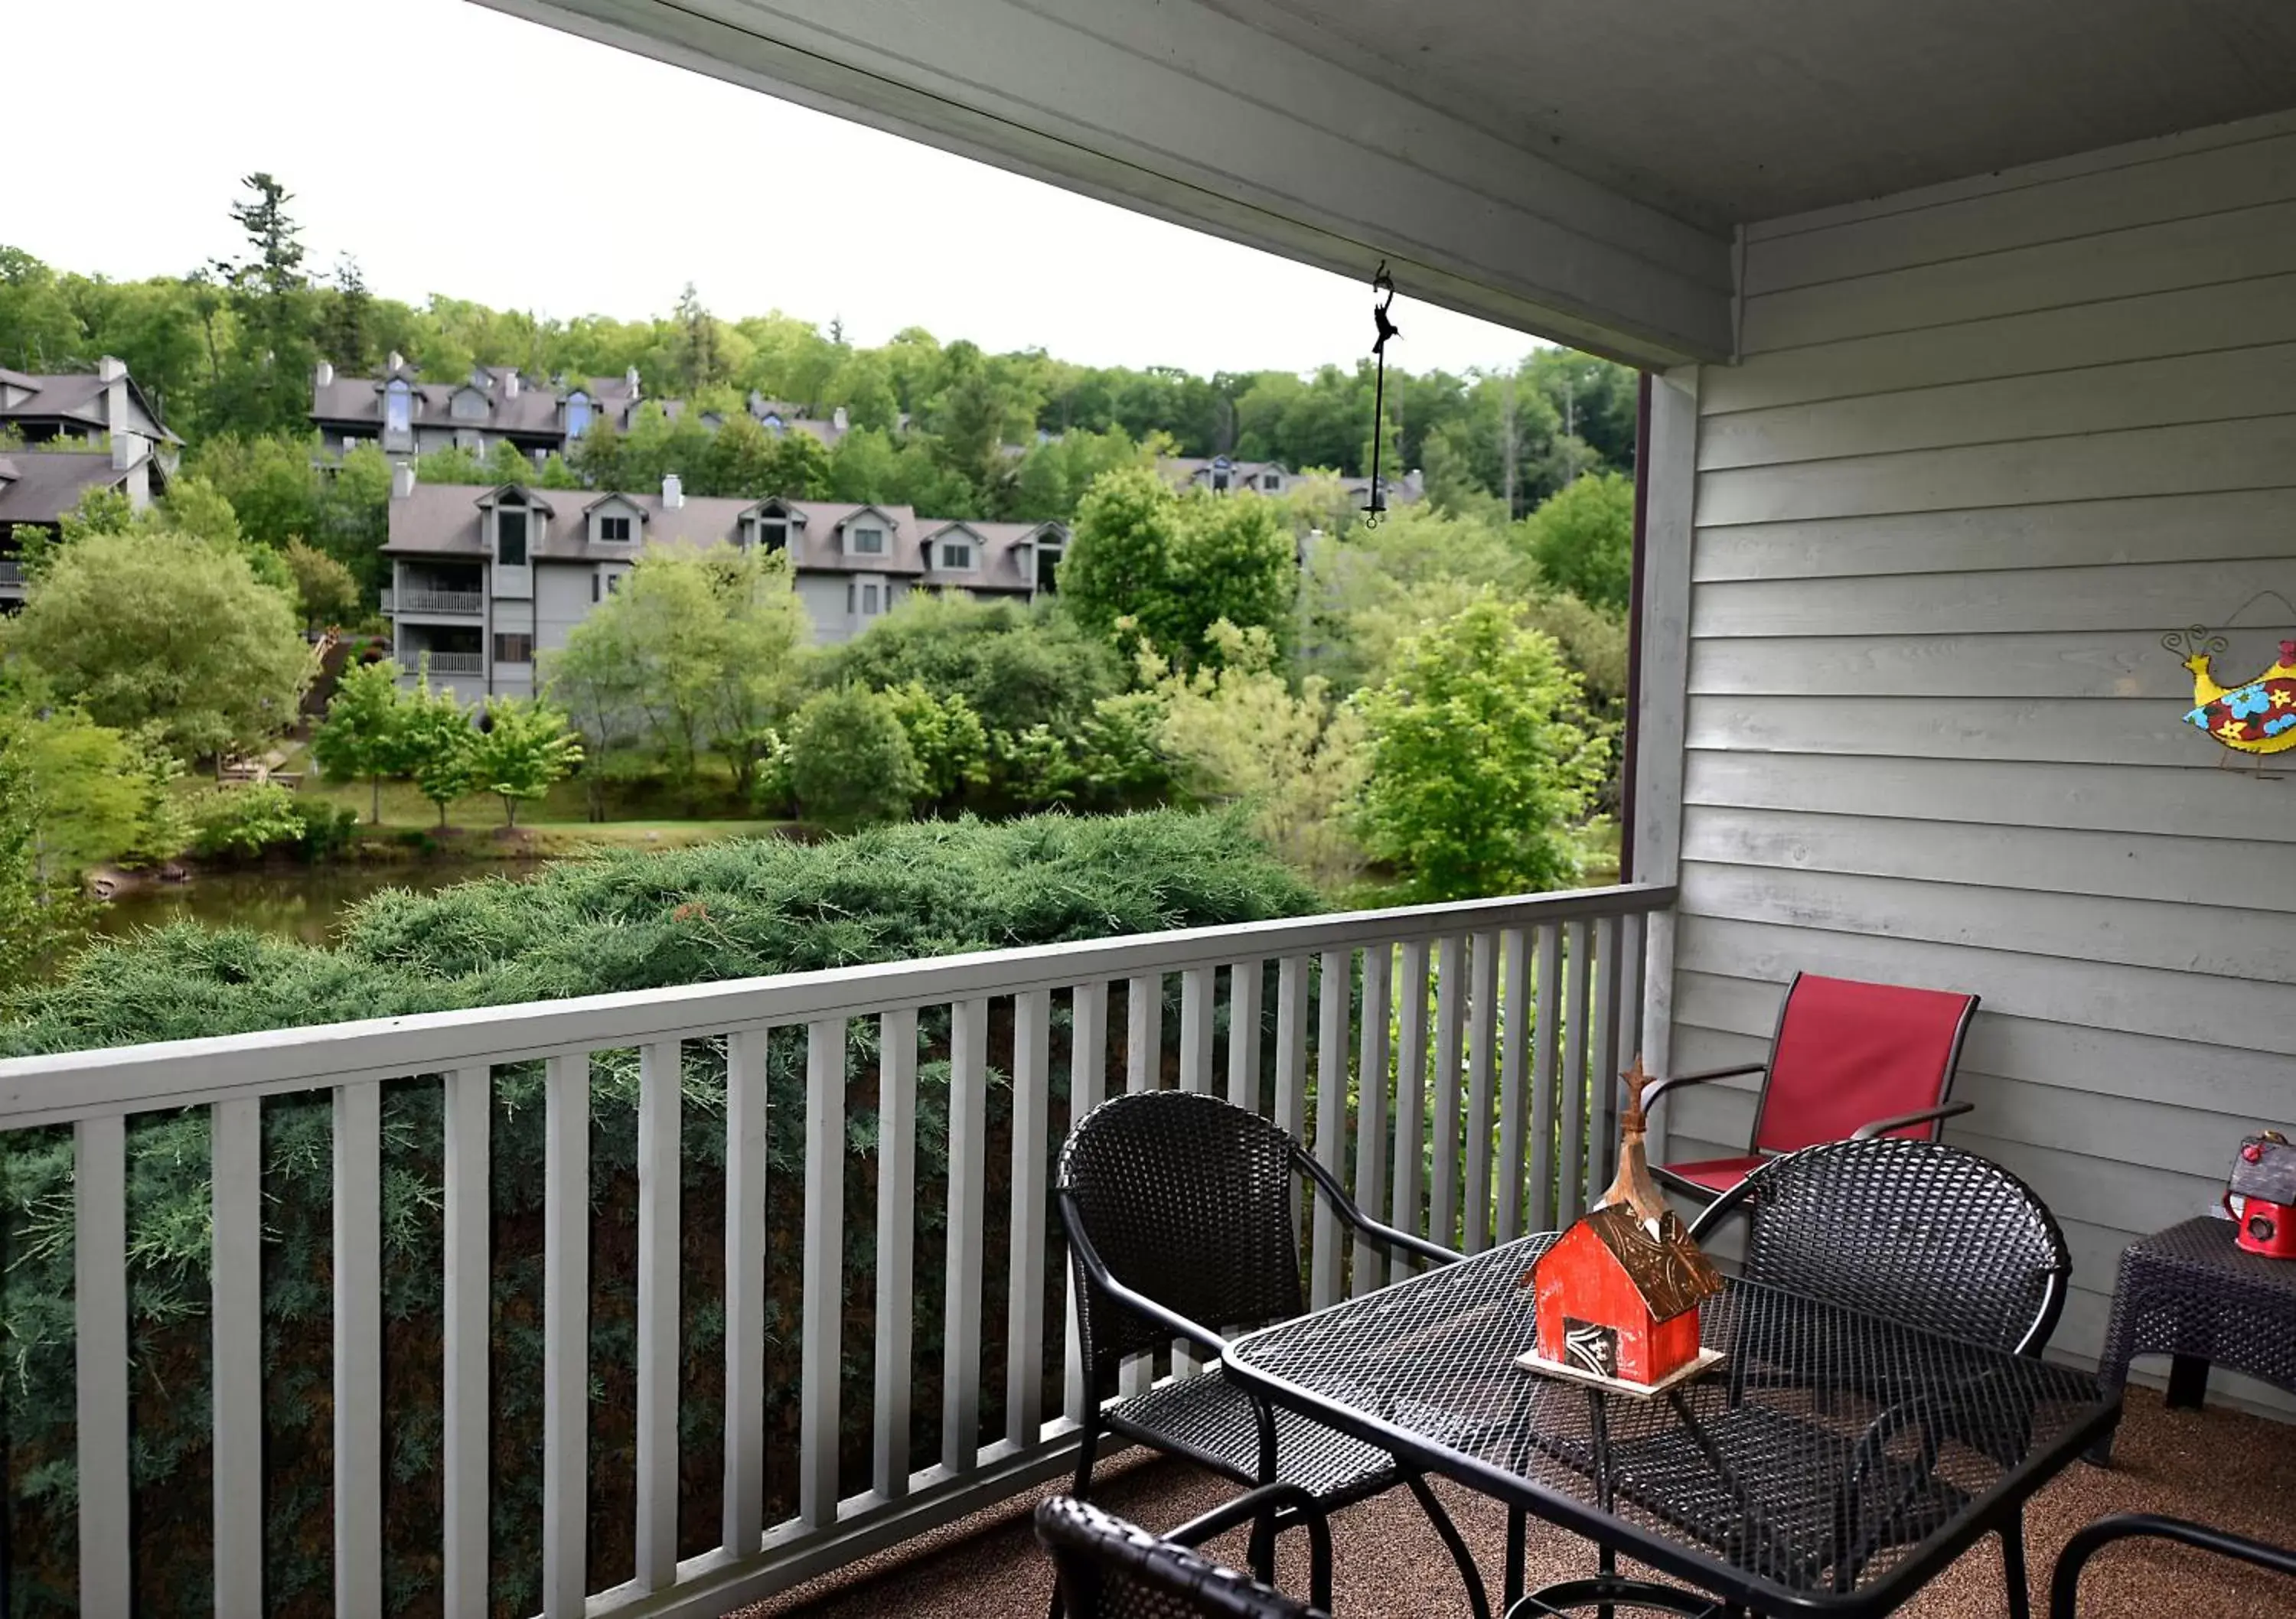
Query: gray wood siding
pixel 1985 445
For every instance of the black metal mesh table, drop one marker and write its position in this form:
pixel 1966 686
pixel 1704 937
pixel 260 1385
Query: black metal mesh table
pixel 1832 1463
pixel 2190 1293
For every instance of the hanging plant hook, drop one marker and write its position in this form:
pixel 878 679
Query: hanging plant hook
pixel 1382 286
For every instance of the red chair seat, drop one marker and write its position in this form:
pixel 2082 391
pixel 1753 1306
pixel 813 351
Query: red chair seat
pixel 1717 1176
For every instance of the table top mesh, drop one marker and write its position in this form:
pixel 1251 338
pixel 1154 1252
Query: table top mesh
pixel 1828 1451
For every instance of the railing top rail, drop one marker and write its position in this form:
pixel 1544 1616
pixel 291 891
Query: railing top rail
pixel 172 1073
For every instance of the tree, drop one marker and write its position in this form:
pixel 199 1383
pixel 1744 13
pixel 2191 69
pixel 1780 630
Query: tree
pixel 324 587
pixel 523 748
pixel 1582 537
pixel 1294 759
pixel 441 745
pixel 946 738
pixel 851 763
pixel 759 628
pixel 345 333
pixel 157 628
pixel 365 733
pixel 32 923
pixel 1477 773
pixel 1171 567
pixel 265 384
pixel 598 679
pixel 273 490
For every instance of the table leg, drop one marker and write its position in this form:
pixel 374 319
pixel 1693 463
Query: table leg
pixel 2188 1382
pixel 1518 1529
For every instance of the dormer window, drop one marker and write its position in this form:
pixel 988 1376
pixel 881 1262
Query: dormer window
pixel 397 407
pixel 1271 482
pixel 869 542
pixel 614 530
pixel 468 405
pixel 578 414
pixel 773 532
pixel 952 556
pixel 509 537
pixel 773 423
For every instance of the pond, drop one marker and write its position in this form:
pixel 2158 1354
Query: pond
pixel 302 903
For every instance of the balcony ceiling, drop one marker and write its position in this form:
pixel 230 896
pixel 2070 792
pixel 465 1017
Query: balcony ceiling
pixel 1749 109
pixel 1571 167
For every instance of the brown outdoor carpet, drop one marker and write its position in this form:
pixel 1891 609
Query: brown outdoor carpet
pixel 2220 1466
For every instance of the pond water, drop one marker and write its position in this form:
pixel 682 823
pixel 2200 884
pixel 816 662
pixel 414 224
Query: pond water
pixel 302 903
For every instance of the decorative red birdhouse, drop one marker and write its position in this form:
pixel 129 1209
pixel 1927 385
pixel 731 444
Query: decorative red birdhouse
pixel 1617 1295
pixel 2262 1196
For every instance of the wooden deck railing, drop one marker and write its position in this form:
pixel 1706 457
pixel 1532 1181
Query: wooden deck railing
pixel 1449 1062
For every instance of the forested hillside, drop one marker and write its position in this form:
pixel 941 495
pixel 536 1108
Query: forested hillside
pixel 226 349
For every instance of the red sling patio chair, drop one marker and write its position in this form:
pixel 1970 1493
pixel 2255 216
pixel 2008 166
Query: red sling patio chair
pixel 1850 1060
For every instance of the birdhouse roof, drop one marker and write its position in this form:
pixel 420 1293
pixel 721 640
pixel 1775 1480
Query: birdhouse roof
pixel 1668 1270
pixel 2272 1177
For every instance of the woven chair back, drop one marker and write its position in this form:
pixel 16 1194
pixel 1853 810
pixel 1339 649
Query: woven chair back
pixel 1187 1199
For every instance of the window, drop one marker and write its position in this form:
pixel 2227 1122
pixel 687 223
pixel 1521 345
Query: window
pixel 614 528
pixel 594 587
pixel 953 554
pixel 398 408
pixel 513 648
pixel 773 533
pixel 1048 563
pixel 1219 480
pixel 470 405
pixel 869 599
pixel 613 583
pixel 1271 482
pixel 869 542
pixel 578 414
pixel 510 539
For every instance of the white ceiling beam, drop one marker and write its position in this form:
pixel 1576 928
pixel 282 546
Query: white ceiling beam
pixel 1181 110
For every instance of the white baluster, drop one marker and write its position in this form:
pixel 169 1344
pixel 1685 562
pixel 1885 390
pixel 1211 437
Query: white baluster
pixel 235 1159
pixel 897 1233
pixel 745 1291
pixel 358 1349
pixel 658 1161
pixel 1371 1111
pixel 968 1145
pixel 1024 1321
pixel 820 1367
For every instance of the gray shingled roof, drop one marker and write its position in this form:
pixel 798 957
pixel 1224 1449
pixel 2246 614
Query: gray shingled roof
pixel 74 396
pixel 444 520
pixel 40 486
pixel 534 412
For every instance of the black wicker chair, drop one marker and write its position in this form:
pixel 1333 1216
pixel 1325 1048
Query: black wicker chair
pixel 1916 1231
pixel 1179 1214
pixel 1111 1569
pixel 2064 1584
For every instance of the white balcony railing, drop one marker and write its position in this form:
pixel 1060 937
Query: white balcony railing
pixel 443 663
pixel 450 603
pixel 12 574
pixel 1533 1002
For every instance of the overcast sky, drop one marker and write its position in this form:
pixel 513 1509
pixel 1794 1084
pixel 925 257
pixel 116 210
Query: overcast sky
pixel 455 150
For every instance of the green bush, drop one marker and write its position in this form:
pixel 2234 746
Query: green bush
pixel 850 761
pixel 633 921
pixel 245 820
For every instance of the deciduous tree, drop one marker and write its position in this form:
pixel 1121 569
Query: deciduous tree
pixel 851 763
pixel 523 748
pixel 365 733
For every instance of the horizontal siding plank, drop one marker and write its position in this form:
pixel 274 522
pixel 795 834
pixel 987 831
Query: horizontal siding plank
pixel 2135 1196
pixel 2222 386
pixel 2073 731
pixel 2183 320
pixel 2227 525
pixel 2093 664
pixel 2235 804
pixel 2231 1081
pixel 2195 1006
pixel 2259 240
pixel 2259 454
pixel 2242 875
pixel 2145 597
pixel 2178 187
pixel 2078 928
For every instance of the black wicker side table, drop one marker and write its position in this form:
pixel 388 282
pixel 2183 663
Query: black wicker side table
pixel 2189 1292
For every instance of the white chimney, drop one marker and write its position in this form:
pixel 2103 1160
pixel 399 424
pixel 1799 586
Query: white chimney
pixel 128 448
pixel 837 418
pixel 323 374
pixel 673 492
pixel 631 378
pixel 397 361
pixel 509 386
pixel 113 375
pixel 402 479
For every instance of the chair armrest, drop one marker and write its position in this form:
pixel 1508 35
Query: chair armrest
pixel 2064 1582
pixel 1096 1271
pixel 1386 1236
pixel 1884 1126
pixel 1651 1096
